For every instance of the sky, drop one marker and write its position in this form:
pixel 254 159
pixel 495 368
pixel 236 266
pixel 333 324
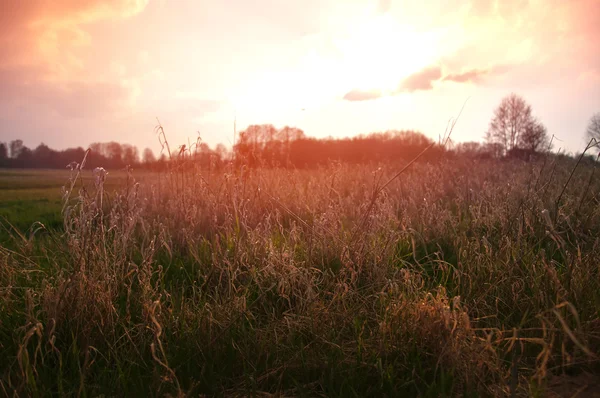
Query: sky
pixel 73 72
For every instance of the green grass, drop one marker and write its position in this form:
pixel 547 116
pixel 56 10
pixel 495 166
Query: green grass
pixel 29 197
pixel 451 282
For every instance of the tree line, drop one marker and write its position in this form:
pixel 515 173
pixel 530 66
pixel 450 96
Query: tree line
pixel 264 145
pixel 257 146
pixel 15 154
pixel 513 132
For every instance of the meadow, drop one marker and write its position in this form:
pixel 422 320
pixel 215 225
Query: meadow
pixel 455 277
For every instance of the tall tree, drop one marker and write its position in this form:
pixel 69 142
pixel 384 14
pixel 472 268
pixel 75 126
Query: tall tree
pixel 593 129
pixel 148 156
pixel 97 148
pixel 3 151
pixel 130 154
pixel 43 156
pixel 114 151
pixel 510 121
pixel 534 138
pixel 16 147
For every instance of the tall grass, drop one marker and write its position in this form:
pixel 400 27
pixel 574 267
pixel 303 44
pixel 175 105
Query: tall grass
pixel 461 277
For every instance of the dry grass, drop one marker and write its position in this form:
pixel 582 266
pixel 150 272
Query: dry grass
pixel 459 278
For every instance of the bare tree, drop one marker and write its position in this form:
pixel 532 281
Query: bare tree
pixel 593 129
pixel 534 138
pixel 510 121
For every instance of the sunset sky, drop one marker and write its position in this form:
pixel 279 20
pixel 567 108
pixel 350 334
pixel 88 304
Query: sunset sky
pixel 74 72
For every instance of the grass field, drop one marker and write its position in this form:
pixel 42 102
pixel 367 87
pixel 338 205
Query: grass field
pixel 458 278
pixel 30 196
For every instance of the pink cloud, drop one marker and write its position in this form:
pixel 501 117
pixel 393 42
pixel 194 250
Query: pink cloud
pixel 72 99
pixel 421 80
pixel 472 75
pixel 362 95
pixel 30 29
pixel 40 40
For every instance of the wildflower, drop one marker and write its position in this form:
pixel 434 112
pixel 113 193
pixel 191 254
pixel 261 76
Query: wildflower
pixel 100 175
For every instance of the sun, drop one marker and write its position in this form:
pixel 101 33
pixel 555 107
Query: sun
pixel 379 52
pixel 372 53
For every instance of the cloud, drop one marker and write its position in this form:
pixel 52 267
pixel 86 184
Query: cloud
pixel 35 32
pixel 24 89
pixel 421 80
pixel 44 83
pixel 518 32
pixel 473 75
pixel 43 13
pixel 424 79
pixel 362 95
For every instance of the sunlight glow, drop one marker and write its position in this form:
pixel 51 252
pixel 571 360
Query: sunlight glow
pixel 372 52
pixel 380 52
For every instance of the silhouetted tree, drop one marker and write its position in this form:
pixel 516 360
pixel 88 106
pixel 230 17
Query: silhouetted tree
pixel 148 156
pixel 130 154
pixel 3 151
pixel 593 129
pixel 264 144
pixel 43 156
pixel 70 155
pixel 97 148
pixel 24 158
pixel 469 149
pixel 534 138
pixel 510 121
pixel 114 151
pixel 391 146
pixel 15 148
pixel 493 150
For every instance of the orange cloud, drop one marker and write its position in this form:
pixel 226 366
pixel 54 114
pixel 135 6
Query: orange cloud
pixel 421 80
pixel 472 75
pixel 476 75
pixel 531 32
pixel 40 42
pixel 46 31
pixel 20 88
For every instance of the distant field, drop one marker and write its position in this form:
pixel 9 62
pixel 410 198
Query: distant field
pixel 28 196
